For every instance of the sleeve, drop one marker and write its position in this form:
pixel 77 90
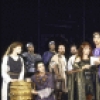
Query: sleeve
pixel 45 93
pixel 4 70
pixel 21 76
pixel 33 78
pixel 69 64
pixel 66 65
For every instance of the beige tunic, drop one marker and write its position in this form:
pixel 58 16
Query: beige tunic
pixel 59 65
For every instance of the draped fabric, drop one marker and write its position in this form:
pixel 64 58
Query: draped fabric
pixel 58 66
pixel 7 67
pixel 80 83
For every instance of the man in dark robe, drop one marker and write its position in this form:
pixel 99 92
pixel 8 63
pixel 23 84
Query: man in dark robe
pixel 49 54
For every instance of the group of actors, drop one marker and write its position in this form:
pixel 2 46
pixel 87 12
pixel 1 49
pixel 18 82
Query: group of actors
pixel 55 77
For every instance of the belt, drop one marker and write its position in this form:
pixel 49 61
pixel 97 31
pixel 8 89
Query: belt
pixel 12 73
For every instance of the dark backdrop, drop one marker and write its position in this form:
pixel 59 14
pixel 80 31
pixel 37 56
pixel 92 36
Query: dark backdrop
pixel 39 21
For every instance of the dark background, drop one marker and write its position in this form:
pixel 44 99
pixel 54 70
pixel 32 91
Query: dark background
pixel 39 21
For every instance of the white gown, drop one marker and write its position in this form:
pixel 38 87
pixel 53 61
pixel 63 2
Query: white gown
pixel 6 78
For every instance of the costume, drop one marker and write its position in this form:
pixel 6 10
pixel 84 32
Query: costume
pixel 30 59
pixel 71 77
pixel 96 53
pixel 58 66
pixel 11 69
pixel 83 80
pixel 47 57
pixel 44 85
pixel 70 62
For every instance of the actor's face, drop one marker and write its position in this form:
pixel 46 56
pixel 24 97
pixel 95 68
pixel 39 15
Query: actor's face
pixel 18 49
pixel 30 49
pixel 61 49
pixel 96 39
pixel 86 50
pixel 52 46
pixel 41 67
pixel 73 50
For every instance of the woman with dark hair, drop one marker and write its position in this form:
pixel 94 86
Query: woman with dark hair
pixel 12 67
pixel 44 83
pixel 83 76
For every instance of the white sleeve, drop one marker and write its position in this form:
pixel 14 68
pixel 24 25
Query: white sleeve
pixel 66 66
pixel 70 64
pixel 45 93
pixel 4 70
pixel 21 76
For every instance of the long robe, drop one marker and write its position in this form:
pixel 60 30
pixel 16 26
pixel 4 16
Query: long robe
pixel 6 77
pixel 83 80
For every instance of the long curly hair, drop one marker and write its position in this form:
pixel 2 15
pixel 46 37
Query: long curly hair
pixel 82 46
pixel 12 46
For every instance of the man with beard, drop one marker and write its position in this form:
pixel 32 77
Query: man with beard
pixel 71 60
pixel 48 54
pixel 96 53
pixel 58 67
pixel 73 51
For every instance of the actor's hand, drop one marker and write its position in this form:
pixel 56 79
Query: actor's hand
pixel 14 80
pixel 28 80
pixel 34 92
pixel 97 62
pixel 86 67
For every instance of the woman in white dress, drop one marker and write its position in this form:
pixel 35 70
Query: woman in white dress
pixel 12 68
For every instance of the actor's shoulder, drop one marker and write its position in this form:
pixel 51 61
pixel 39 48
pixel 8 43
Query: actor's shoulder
pixel 46 52
pixel 73 56
pixel 24 54
pixel 20 57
